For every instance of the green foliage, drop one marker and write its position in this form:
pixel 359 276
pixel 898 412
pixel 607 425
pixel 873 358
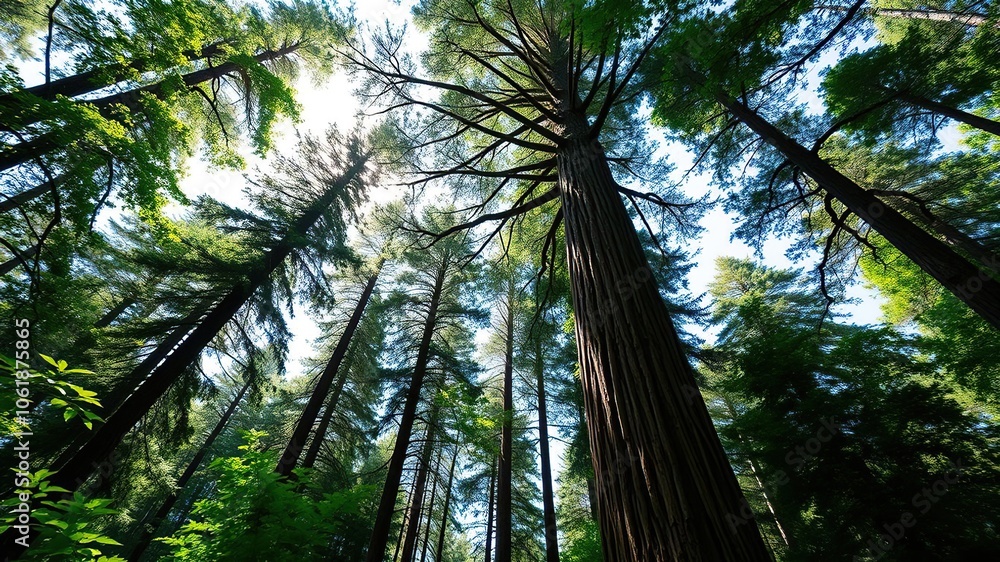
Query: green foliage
pixel 68 528
pixel 961 344
pixel 820 416
pixel 255 515
pixel 51 385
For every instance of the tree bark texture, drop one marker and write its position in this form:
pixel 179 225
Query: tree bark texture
pixel 665 486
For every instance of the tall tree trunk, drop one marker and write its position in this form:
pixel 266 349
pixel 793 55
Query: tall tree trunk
pixel 98 452
pixel 970 119
pixel 976 288
pixel 664 483
pixel 419 489
pixel 785 537
pixel 12 264
pixel 75 438
pixel 439 551
pixel 149 525
pixel 504 516
pixel 968 19
pixel 402 529
pixel 387 505
pixel 316 444
pixel 548 495
pixel 430 507
pixel 489 509
pixel 300 434
pixel 132 99
pixel 945 230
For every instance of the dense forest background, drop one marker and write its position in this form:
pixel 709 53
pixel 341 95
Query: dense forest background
pixel 495 253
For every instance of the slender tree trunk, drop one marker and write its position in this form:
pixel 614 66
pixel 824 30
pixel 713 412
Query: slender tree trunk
pixel 548 495
pixel 115 312
pixel 150 525
pixel 312 454
pixel 975 287
pixel 419 489
pixel 970 119
pixel 665 486
pixel 785 537
pixel 13 263
pixel 15 201
pixel 504 523
pixel 402 529
pixel 430 507
pixel 439 551
pixel 23 152
pixel 96 79
pixel 98 453
pixel 591 485
pixel 301 432
pixel 971 20
pixel 489 509
pixel 387 505
pixel 110 402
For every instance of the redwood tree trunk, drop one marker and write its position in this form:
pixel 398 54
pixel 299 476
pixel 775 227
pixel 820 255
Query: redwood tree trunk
pixel 664 483
pixel 548 499
pixel 976 288
pixel 150 525
pixel 98 453
pixel 300 434
pixel 504 523
pixel 387 505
